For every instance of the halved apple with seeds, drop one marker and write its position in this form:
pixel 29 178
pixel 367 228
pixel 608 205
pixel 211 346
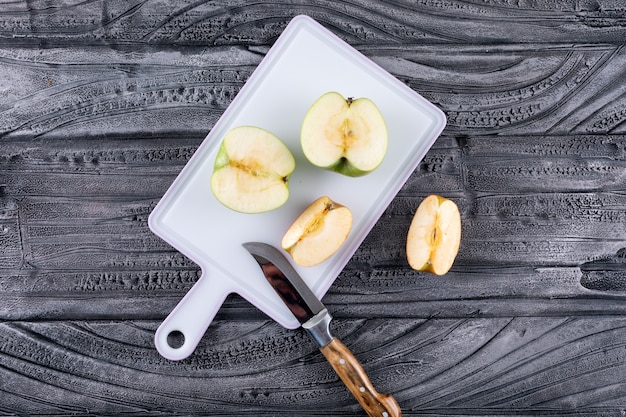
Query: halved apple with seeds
pixel 348 136
pixel 251 170
pixel 434 235
pixel 318 232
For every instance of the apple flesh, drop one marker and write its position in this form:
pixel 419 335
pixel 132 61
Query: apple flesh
pixel 318 232
pixel 434 235
pixel 344 135
pixel 251 170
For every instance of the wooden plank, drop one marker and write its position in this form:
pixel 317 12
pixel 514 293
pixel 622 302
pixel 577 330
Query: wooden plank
pixel 83 231
pixel 238 22
pixel 533 365
pixel 530 90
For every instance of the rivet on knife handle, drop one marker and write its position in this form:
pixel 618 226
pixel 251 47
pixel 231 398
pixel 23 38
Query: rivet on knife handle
pixel 354 377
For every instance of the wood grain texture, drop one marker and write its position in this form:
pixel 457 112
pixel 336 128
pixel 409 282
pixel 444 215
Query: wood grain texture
pixel 350 371
pixel 102 103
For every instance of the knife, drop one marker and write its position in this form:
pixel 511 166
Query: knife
pixel 315 318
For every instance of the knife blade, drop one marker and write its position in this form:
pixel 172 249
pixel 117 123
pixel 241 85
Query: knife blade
pixel 315 318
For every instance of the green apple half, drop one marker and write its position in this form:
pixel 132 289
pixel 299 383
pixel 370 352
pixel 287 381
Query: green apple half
pixel 318 232
pixel 251 170
pixel 348 136
pixel 434 235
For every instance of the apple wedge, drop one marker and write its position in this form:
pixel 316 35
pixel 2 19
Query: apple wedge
pixel 251 170
pixel 348 136
pixel 434 235
pixel 318 232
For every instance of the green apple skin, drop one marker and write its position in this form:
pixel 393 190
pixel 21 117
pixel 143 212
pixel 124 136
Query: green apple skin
pixel 344 167
pixel 222 158
pixel 347 136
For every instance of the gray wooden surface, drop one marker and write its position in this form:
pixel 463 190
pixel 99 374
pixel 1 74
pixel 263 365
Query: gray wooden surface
pixel 103 102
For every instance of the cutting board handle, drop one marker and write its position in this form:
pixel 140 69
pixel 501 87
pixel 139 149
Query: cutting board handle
pixel 189 320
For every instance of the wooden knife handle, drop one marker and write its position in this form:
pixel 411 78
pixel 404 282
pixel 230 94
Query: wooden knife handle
pixel 352 374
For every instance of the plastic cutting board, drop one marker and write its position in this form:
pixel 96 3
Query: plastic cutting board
pixel 306 61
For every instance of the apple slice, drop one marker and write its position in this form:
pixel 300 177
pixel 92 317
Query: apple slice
pixel 348 136
pixel 434 235
pixel 251 170
pixel 318 232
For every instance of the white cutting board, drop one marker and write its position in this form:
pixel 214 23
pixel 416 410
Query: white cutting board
pixel 306 61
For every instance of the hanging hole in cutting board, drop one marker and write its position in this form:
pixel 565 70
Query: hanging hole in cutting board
pixel 175 339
